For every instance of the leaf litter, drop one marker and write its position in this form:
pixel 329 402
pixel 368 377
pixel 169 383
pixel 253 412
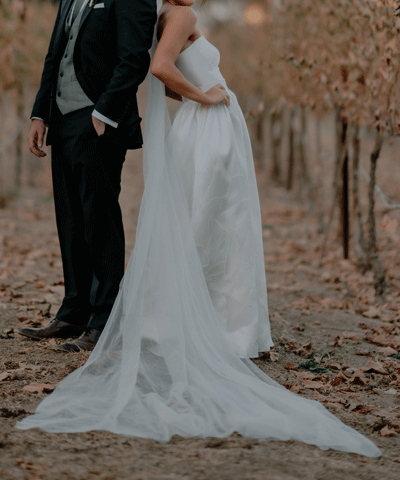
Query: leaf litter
pixel 335 342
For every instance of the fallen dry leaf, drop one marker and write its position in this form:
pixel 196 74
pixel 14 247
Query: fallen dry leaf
pixel 365 353
pixel 313 385
pixel 354 405
pixel 372 312
pixel 350 336
pixel 383 340
pixel 358 380
pixel 275 316
pixel 304 350
pixel 39 388
pixel 273 356
pixel 387 432
pixel 290 366
pixel 362 409
pixel 387 351
pixel 337 342
pixel 52 343
pixel 305 375
pixel 373 366
pixel 346 388
pixel 323 398
pixel 335 366
pixel 323 378
pixel 339 379
pixel 4 376
pixel 391 391
pixel 296 388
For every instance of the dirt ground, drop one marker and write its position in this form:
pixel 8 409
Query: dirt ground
pixel 335 342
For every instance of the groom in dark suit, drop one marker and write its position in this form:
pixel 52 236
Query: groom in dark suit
pixel 98 56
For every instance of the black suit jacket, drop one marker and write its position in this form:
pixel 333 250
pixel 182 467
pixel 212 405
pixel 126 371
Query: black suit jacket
pixel 111 59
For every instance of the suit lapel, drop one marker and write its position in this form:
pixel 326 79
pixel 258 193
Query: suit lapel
pixel 65 9
pixel 85 13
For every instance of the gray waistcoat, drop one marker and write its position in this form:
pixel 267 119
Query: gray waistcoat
pixel 70 96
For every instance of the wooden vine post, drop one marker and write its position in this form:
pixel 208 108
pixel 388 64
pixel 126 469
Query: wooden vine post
pixel 276 130
pixel 290 161
pixel 343 187
pixel 372 253
pixel 359 241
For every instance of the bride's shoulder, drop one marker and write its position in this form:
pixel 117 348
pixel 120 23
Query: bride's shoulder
pixel 176 18
pixel 180 13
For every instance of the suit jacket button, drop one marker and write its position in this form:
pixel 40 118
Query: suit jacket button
pixel 71 37
pixel 61 74
pixel 66 55
pixel 59 94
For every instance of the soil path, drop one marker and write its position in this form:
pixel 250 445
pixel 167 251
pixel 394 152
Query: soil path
pixel 322 316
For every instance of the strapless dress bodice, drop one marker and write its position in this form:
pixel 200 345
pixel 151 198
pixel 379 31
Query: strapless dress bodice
pixel 199 63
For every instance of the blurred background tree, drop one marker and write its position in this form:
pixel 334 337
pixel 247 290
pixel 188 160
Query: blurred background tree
pixel 25 29
pixel 296 61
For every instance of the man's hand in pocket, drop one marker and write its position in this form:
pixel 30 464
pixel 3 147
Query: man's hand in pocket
pixel 99 126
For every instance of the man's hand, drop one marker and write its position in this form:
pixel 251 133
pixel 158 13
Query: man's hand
pixel 99 126
pixel 36 135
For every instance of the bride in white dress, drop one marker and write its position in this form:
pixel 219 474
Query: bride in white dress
pixel 192 308
pixel 217 168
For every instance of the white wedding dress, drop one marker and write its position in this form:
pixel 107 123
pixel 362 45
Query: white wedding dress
pixel 193 300
pixel 213 149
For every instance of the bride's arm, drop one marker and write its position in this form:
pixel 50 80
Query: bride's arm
pixel 171 94
pixel 180 25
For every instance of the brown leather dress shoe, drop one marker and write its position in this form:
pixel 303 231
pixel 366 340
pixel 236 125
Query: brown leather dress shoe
pixel 86 342
pixel 55 329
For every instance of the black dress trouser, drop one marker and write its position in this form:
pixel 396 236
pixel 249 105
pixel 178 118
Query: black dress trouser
pixel 86 173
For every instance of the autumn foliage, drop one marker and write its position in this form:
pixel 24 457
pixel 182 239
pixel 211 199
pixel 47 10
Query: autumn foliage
pixel 25 30
pixel 312 58
pixel 321 54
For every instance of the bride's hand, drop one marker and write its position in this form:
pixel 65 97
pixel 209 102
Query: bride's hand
pixel 217 95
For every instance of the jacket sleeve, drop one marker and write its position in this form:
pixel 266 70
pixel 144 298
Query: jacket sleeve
pixel 41 107
pixel 135 28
